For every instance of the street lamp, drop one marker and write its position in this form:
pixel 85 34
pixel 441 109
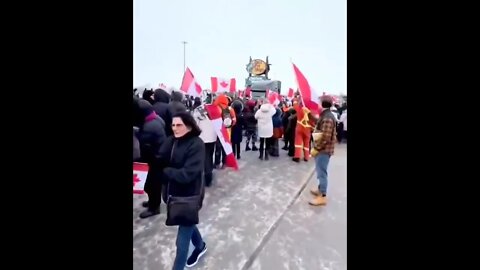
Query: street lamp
pixel 184 45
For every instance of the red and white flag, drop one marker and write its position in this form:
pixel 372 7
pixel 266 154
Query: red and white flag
pixel 162 86
pixel 291 93
pixel 220 85
pixel 189 85
pixel 310 98
pixel 241 94
pixel 274 98
pixel 216 118
pixel 140 172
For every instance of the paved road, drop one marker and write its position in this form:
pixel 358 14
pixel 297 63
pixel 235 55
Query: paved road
pixel 255 215
pixel 308 237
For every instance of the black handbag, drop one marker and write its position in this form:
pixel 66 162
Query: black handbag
pixel 183 210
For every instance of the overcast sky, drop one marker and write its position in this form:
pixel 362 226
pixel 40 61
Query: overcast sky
pixel 222 34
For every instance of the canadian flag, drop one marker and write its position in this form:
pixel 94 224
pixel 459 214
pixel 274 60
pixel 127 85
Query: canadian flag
pixel 140 172
pixel 290 93
pixel 241 93
pixel 163 86
pixel 221 85
pixel 216 118
pixel 273 98
pixel 189 85
pixel 308 95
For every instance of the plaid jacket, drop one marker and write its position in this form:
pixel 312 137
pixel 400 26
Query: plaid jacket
pixel 327 125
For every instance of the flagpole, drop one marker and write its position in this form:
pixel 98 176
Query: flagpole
pixel 184 46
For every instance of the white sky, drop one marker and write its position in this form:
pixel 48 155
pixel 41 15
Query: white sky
pixel 222 34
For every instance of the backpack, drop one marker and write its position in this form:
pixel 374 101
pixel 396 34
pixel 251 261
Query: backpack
pixel 227 117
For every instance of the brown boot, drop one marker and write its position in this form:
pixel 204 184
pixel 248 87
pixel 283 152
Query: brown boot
pixel 318 200
pixel 315 191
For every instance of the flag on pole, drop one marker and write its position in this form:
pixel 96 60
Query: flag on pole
pixel 309 97
pixel 189 85
pixel 273 98
pixel 220 85
pixel 290 93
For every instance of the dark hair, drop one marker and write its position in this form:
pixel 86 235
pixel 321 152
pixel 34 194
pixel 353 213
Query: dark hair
pixel 190 122
pixel 326 104
pixel 176 96
pixel 148 95
pixel 237 106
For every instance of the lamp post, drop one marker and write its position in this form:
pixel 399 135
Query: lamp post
pixel 184 46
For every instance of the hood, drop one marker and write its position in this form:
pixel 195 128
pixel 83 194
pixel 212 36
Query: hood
pixel 145 108
pixel 148 95
pixel 221 101
pixel 237 106
pixel 251 105
pixel 161 95
pixel 177 96
pixel 265 108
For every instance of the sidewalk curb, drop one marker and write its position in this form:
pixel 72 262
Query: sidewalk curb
pixel 274 226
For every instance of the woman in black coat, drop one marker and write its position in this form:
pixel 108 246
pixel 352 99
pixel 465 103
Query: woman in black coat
pixel 290 132
pixel 237 129
pixel 285 117
pixel 182 158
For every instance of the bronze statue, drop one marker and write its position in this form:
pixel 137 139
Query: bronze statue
pixel 249 67
pixel 267 69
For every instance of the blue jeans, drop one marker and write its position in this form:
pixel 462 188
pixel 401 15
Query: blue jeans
pixel 184 235
pixel 321 165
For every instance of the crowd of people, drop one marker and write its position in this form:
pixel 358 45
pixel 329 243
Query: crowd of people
pixel 173 134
